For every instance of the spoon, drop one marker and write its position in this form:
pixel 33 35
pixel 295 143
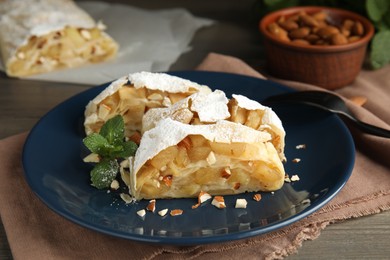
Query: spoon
pixel 329 102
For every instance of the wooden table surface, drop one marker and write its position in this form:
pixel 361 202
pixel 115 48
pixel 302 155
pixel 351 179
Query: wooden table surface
pixel 23 102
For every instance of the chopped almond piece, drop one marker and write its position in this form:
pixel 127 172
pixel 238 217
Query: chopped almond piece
pixel 202 197
pixel 151 206
pixel 114 185
pixel 163 212
pixel 155 96
pixel 166 102
pixel 226 173
pixel 294 178
pixel 92 158
pixel 219 202
pixel 85 34
pixel 241 203
pixel 176 212
pixel 257 197
pixel 300 146
pixel 186 143
pixel 21 55
pixel 136 138
pixel 296 160
pixel 237 185
pixel 126 198
pixel 167 180
pixel 141 213
pixel 104 111
pixel 211 158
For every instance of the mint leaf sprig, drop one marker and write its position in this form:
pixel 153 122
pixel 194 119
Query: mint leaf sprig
pixel 110 145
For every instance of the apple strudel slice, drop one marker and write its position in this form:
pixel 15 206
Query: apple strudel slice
pixel 206 108
pixel 135 94
pixel 177 160
pixel 39 36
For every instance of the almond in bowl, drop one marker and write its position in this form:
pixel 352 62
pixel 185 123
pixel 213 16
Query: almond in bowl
pixel 316 45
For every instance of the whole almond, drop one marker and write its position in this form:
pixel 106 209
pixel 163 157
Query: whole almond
pixel 353 38
pixel 308 20
pixel 312 38
pixel 300 42
pixel 348 24
pixel 293 18
pixel 299 33
pixel 289 25
pixel 274 28
pixel 320 16
pixel 322 24
pixel 358 100
pixel 279 32
pixel 345 32
pixel 321 42
pixel 316 28
pixel 327 32
pixel 358 29
pixel 302 13
pixel 281 19
pixel 338 39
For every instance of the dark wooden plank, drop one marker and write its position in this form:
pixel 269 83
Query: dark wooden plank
pixel 23 102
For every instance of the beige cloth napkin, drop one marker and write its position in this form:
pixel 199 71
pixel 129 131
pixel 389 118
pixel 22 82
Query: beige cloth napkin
pixel 35 232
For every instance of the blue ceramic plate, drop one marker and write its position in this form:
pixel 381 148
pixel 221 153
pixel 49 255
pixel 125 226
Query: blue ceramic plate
pixel 54 169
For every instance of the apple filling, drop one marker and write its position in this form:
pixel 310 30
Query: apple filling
pixel 132 103
pixel 197 164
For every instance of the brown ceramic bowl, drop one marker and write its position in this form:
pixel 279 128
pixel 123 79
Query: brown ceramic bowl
pixel 330 67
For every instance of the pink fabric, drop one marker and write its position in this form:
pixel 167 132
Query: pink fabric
pixel 35 232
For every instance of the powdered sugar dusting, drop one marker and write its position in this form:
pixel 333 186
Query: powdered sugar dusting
pixel 164 82
pixel 211 107
pixel 111 89
pixel 247 103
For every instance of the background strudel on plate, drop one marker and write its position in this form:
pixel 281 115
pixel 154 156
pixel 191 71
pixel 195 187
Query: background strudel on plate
pixel 38 36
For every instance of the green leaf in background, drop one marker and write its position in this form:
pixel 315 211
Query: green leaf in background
pixel 385 25
pixel 380 49
pixel 104 173
pixel 273 5
pixel 377 8
pixel 273 2
pixel 113 130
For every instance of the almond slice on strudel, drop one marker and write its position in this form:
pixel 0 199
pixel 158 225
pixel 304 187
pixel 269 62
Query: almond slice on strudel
pixel 39 36
pixel 133 95
pixel 177 160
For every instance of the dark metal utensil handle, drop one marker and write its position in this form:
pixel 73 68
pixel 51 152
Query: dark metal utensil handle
pixel 328 102
pixel 368 128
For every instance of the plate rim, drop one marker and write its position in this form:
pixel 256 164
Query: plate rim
pixel 197 240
